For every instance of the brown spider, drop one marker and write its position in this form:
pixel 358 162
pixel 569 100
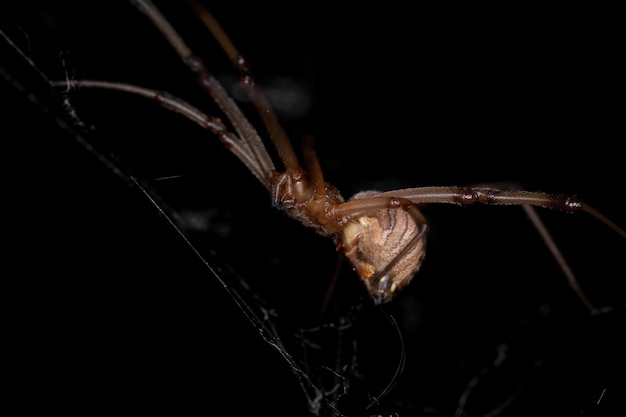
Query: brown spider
pixel 383 234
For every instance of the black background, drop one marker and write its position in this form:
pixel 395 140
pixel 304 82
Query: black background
pixel 109 308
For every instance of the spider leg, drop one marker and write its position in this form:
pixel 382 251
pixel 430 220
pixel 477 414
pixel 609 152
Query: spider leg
pixel 316 175
pixel 494 196
pixel 240 148
pixel 274 128
pixel 547 238
pixel 557 255
pixel 242 126
pixel 485 195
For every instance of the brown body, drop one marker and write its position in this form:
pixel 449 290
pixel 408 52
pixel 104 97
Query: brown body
pixel 386 247
pixel 381 233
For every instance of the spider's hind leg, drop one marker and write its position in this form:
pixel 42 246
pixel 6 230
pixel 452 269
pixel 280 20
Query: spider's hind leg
pixel 546 236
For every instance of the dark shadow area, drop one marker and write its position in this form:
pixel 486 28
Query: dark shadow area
pixel 110 308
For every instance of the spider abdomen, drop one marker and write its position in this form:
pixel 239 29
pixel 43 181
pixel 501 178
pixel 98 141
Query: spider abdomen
pixel 386 248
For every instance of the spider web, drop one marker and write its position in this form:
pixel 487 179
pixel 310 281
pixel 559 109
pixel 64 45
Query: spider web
pixel 322 358
pixel 354 360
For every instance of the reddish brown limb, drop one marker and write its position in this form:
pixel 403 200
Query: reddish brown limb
pixel 240 123
pixel 491 196
pixel 595 213
pixel 274 128
pixel 361 206
pixel 240 148
pixel 558 256
pixel 332 284
pixel 316 176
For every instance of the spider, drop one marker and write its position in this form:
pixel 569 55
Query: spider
pixel 382 234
